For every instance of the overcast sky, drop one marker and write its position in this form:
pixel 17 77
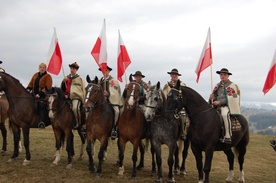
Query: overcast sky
pixel 159 35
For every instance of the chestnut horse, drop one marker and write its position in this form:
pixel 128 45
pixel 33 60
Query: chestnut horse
pixel 165 130
pixel 131 127
pixel 206 129
pixel 22 112
pixel 99 122
pixel 63 119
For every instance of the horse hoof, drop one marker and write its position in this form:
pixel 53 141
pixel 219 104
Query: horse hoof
pixel 158 180
pixel 98 175
pixel 69 166
pixel 11 160
pixel 183 172
pixel 176 172
pixel 26 162
pixel 171 180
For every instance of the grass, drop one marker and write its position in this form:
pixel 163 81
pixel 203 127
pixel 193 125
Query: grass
pixel 259 166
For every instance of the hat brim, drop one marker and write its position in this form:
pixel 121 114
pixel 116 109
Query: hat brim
pixel 229 73
pixel 174 73
pixel 137 75
pixel 73 66
pixel 1 62
pixel 108 68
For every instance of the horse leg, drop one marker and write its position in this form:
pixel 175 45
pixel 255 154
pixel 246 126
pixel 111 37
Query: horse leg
pixel 142 155
pixel 209 151
pixel 172 151
pixel 89 153
pixel 198 156
pixel 241 147
pixel 230 158
pixel 82 143
pixel 184 156
pixel 16 137
pixel 157 150
pixel 153 164
pixel 101 154
pixel 69 147
pixel 4 135
pixel 26 135
pixel 177 156
pixel 134 158
pixel 121 146
pixel 58 145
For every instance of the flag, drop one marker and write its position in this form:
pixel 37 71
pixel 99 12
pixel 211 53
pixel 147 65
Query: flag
pixel 205 59
pixel 54 56
pixel 123 59
pixel 99 51
pixel 271 76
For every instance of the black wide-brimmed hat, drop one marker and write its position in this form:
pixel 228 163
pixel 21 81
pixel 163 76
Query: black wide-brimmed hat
pixel 224 70
pixel 174 71
pixel 74 65
pixel 1 62
pixel 109 68
pixel 138 73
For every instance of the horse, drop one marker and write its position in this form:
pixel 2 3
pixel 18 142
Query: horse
pixel 164 130
pixel 273 144
pixel 63 119
pixel 4 106
pixel 131 127
pixel 206 130
pixel 99 122
pixel 22 112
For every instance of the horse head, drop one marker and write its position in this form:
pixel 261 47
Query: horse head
pixel 175 100
pixel 132 93
pixel 155 101
pixel 94 94
pixel 56 100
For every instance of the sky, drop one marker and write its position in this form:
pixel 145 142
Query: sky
pixel 158 35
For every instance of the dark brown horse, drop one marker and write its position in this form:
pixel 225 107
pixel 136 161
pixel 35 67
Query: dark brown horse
pixel 4 106
pixel 99 122
pixel 206 129
pixel 22 112
pixel 164 130
pixel 131 127
pixel 63 119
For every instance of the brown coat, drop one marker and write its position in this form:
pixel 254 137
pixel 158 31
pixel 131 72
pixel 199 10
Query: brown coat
pixel 44 83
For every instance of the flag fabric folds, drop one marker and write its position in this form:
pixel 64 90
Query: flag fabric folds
pixel 54 56
pixel 123 59
pixel 205 59
pixel 99 51
pixel 271 76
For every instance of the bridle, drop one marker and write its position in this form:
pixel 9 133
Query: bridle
pixel 55 111
pixel 94 103
pixel 157 97
pixel 130 106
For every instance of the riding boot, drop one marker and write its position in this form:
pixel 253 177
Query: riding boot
pixel 148 127
pixel 42 115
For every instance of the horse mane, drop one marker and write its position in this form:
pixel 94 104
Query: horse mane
pixel 195 95
pixel 17 82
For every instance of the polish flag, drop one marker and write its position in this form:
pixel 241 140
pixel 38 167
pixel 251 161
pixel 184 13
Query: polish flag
pixel 99 51
pixel 205 59
pixel 123 59
pixel 271 76
pixel 54 56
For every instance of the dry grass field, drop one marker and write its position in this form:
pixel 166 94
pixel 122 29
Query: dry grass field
pixel 260 163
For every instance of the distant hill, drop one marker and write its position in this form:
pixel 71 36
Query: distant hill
pixel 256 105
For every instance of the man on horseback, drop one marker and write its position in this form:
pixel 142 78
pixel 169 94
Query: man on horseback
pixel 74 88
pixel 226 97
pixel 38 85
pixel 112 93
pixel 1 69
pixel 142 98
pixel 184 121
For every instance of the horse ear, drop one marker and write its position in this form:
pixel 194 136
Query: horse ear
pixel 96 80
pixel 158 85
pixel 88 79
pixel 149 84
pixel 130 77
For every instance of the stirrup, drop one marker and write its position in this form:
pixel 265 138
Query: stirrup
pixel 41 125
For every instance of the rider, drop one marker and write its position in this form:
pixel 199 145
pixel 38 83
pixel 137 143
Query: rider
pixel 226 96
pixel 1 69
pixel 38 85
pixel 184 122
pixel 112 92
pixel 74 89
pixel 142 98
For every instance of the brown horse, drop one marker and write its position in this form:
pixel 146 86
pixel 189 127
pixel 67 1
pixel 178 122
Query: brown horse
pixel 99 122
pixel 4 106
pixel 131 127
pixel 62 118
pixel 206 129
pixel 22 112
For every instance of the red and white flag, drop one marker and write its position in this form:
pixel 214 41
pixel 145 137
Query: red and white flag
pixel 54 56
pixel 123 59
pixel 205 59
pixel 271 76
pixel 99 51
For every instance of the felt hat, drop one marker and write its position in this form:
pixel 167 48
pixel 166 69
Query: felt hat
pixel 108 68
pixel 74 65
pixel 174 71
pixel 224 70
pixel 138 73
